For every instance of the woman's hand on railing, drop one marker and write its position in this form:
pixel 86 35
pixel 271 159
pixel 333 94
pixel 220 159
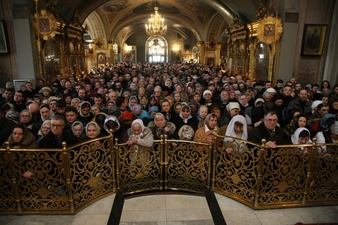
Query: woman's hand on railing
pixel 132 140
pixel 229 150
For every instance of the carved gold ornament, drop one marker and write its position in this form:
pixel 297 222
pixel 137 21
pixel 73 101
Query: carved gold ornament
pixel 45 24
pixel 270 30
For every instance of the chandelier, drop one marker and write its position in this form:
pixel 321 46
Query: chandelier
pixel 156 24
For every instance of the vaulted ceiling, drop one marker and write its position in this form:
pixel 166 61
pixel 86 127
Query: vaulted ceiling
pixel 120 19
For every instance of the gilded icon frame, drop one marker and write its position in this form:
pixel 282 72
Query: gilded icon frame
pixel 313 39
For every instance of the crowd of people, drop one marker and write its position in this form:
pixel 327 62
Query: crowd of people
pixel 140 102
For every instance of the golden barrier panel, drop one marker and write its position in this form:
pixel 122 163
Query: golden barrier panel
pixel 32 181
pixel 64 181
pixel 289 175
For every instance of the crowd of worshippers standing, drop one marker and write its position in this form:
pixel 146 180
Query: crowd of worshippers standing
pixel 140 102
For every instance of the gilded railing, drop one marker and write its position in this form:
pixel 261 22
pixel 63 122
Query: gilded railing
pixel 64 181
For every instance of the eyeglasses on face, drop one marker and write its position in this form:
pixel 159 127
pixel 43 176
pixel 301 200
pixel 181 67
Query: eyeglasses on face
pixel 56 125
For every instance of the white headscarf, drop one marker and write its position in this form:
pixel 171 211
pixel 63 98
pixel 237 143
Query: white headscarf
pixel 138 121
pixel 295 136
pixel 230 129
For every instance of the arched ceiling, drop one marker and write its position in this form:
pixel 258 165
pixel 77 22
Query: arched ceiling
pixel 120 19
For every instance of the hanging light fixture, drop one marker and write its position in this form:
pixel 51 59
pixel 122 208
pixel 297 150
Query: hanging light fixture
pixel 156 24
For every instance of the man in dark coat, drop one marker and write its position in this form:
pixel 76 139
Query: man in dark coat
pixel 58 134
pixel 268 130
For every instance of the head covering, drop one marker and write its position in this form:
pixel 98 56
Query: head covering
pixel 233 105
pixel 334 127
pixel 153 109
pixel 326 122
pixel 138 121
pixel 96 125
pixel 126 115
pixel 24 131
pixel 52 98
pixel 271 90
pixel 114 121
pixel 136 109
pixel 295 136
pixel 39 96
pixel 315 104
pixel 28 102
pixel 131 97
pixel 13 115
pixel 46 88
pixel 230 129
pixel 206 91
pixel 8 106
pixel 73 125
pixel 84 103
pixel 237 92
pixel 231 92
pixel 110 101
pixel 258 100
pixel 185 105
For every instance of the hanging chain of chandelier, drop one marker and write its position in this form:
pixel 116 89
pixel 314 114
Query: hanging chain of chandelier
pixel 156 24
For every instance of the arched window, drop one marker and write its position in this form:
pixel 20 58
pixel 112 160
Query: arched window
pixel 156 50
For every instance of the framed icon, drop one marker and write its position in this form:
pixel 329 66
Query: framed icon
pixel 313 39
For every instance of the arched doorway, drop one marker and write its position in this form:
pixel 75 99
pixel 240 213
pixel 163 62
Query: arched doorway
pixel 156 49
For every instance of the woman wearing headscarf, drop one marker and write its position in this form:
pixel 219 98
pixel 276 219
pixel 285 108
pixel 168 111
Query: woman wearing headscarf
pixel 328 130
pixel 92 131
pixel 21 137
pixel 186 122
pixel 142 114
pixel 139 134
pixel 119 130
pixel 236 128
pixel 161 127
pixel 85 115
pixel 206 133
pixel 77 129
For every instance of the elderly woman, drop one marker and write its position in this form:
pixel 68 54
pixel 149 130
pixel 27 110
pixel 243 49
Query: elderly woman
pixel 21 137
pixel 26 118
pixel 139 134
pixel 92 131
pixel 44 130
pixel 77 129
pixel 236 128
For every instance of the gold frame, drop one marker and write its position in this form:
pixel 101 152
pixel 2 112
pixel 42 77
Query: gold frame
pixel 45 24
pixel 270 30
pixel 318 33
